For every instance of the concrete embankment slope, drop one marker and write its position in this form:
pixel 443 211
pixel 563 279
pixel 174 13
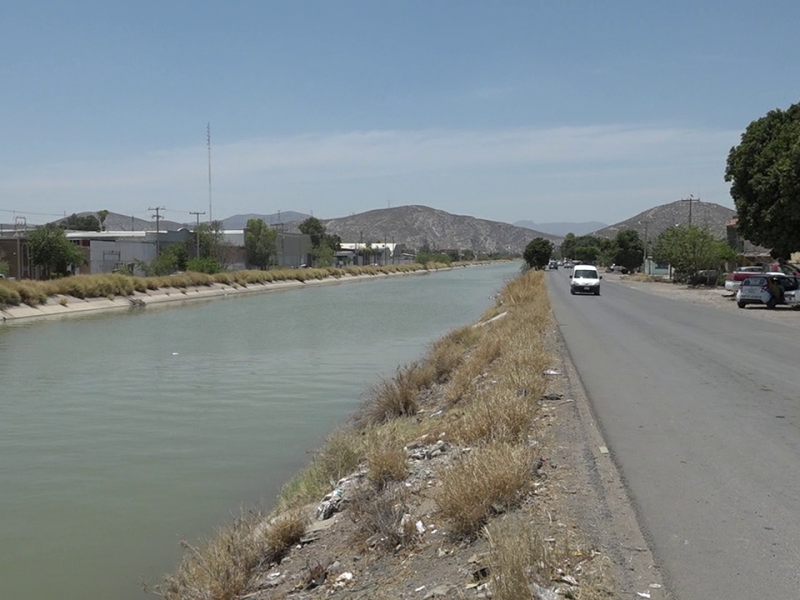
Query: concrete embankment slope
pixel 66 306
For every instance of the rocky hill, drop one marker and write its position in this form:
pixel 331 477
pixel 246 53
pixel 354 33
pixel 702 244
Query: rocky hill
pixel 659 218
pixel 120 222
pixel 240 221
pixel 416 225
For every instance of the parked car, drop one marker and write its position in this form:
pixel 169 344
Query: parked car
pixel 767 288
pixel 553 265
pixel 734 279
pixel 585 279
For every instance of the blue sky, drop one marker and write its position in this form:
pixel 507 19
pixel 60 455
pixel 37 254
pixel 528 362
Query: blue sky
pixel 544 111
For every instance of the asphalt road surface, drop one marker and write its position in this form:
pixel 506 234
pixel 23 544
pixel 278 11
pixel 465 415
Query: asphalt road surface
pixel 700 409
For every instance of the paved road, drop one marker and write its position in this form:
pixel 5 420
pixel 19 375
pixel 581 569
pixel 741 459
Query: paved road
pixel 701 410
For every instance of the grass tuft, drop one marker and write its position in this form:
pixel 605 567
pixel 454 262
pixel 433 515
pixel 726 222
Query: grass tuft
pixel 489 481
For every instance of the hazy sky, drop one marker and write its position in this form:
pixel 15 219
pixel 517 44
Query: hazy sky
pixel 545 111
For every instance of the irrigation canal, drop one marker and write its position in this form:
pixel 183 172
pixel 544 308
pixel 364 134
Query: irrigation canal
pixel 121 434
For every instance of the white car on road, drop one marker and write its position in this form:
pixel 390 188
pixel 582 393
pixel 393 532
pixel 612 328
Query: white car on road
pixel 585 279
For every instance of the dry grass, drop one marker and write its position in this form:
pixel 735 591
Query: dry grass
pixel 383 519
pixel 386 464
pixel 103 285
pixel 339 457
pixel 490 480
pixel 220 568
pixel 395 397
pixel 518 554
pixel 447 354
pixel 284 531
pixel 496 415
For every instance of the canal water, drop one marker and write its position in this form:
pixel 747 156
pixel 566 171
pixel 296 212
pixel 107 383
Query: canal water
pixel 121 434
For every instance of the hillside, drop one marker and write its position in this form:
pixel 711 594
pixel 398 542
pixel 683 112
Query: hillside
pixel 563 228
pixel 240 221
pixel 120 222
pixel 415 225
pixel 659 218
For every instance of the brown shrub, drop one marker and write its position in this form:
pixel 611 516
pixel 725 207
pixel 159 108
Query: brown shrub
pixel 386 464
pixel 383 519
pixel 395 397
pixel 490 480
pixel 284 531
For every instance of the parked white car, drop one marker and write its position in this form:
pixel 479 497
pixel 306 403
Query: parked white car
pixel 585 279
pixel 770 289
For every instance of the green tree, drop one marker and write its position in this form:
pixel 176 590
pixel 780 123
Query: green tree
pixel 259 243
pixel 173 257
pixel 5 268
pixel 52 251
pixel 628 249
pixel 76 222
pixel 213 245
pixel 689 249
pixel 314 228
pixel 323 244
pixel 764 170
pixel 568 246
pixel 538 252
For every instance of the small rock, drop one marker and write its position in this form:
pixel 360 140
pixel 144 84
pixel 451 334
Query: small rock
pixel 439 591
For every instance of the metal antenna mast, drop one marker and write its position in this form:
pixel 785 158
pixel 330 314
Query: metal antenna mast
pixel 208 143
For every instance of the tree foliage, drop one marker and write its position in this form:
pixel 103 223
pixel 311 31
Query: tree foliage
pixel 538 252
pixel 628 249
pixel 689 248
pixel 213 244
pixel 764 170
pixel 324 244
pixel 173 257
pixel 587 248
pixel 52 251
pixel 76 222
pixel 259 243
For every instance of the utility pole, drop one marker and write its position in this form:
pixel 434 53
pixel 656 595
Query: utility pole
pixel 158 210
pixel 644 262
pixel 197 231
pixel 690 200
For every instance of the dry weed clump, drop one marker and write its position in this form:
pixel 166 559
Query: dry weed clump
pixel 499 415
pixel 283 532
pixel 517 558
pixel 447 353
pixel 397 396
pixel 492 479
pixel 386 464
pixel 219 569
pixel 383 519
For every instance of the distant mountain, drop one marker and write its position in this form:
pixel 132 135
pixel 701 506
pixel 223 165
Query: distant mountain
pixel 659 218
pixel 120 222
pixel 562 229
pixel 239 221
pixel 416 225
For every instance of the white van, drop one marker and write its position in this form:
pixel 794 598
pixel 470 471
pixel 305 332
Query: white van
pixel 585 279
